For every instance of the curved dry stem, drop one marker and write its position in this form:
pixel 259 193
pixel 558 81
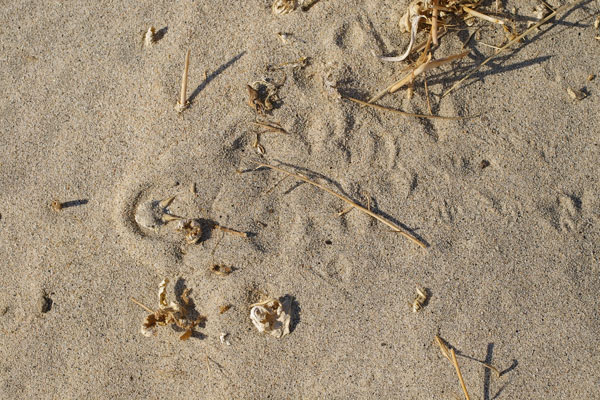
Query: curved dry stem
pixel 381 219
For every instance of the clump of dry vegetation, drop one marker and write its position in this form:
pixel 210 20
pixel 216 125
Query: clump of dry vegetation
pixel 178 314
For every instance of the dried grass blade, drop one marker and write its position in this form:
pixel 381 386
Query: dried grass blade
pixel 514 40
pixel 381 219
pixel 406 114
pixel 425 67
pixel 460 377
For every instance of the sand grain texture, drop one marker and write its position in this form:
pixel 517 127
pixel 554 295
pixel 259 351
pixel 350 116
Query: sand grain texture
pixel 87 115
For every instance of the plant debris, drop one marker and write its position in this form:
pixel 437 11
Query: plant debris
pixel 419 301
pixel 224 308
pixel 176 314
pixel 451 355
pixel 191 228
pixel 154 213
pixel 183 103
pixel 150 37
pixel 262 95
pixel 575 94
pixel 221 269
pixel 362 209
pixel 282 7
pixel 272 316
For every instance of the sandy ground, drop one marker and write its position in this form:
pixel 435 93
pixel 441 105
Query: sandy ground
pixel 87 117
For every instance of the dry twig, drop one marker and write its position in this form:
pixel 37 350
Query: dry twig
pixel 381 219
pixel 512 41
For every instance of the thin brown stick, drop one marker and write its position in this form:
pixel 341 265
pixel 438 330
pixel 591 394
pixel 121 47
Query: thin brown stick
pixel 406 114
pixel 277 184
pixel 141 305
pixel 514 40
pixel 381 219
pixel 460 377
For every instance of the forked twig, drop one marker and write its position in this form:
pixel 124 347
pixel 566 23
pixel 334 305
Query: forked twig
pixel 381 219
pixel 515 39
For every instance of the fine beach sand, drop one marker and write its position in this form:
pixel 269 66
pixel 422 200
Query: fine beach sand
pixel 508 202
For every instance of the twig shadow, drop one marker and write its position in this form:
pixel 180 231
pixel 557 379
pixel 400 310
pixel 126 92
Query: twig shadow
pixel 74 203
pixel 294 311
pixel 212 76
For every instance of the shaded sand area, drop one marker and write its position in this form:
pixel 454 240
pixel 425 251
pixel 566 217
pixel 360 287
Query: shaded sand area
pixel 508 203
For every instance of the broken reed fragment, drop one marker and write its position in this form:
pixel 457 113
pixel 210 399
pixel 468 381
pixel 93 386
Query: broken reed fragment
pixel 395 228
pixel 182 104
pixel 191 228
pixel 170 313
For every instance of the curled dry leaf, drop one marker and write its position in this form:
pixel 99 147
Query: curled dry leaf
pixel 272 316
pixel 171 313
pixel 419 300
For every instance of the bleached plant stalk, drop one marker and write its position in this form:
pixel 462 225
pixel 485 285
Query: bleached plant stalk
pixel 413 35
pixel 477 14
pixel 183 103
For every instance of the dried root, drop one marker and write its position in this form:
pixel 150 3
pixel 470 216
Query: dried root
pixel 170 313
